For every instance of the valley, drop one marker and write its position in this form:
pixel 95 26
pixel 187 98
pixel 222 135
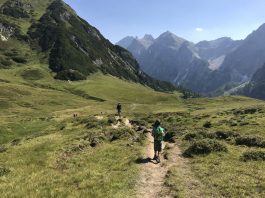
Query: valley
pixel 60 135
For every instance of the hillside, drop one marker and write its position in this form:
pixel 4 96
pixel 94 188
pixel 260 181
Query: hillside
pixel 71 47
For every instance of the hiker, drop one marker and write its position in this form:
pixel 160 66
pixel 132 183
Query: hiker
pixel 119 109
pixel 158 134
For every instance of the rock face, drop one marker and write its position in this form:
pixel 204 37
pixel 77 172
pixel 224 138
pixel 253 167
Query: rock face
pixel 208 67
pixel 216 51
pixel 6 31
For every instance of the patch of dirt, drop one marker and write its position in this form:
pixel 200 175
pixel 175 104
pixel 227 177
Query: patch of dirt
pixel 122 121
pixel 99 117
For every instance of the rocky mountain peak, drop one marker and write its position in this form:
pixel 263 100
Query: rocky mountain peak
pixel 170 39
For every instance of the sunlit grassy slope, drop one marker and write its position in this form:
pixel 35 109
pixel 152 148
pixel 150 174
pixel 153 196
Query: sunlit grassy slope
pixel 45 152
pixel 43 140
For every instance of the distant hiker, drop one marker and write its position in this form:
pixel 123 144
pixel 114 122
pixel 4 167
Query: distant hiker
pixel 158 134
pixel 119 109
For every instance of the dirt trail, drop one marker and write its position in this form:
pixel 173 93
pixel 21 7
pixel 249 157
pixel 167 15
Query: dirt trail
pixel 151 182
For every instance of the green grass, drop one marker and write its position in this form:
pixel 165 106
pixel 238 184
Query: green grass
pixel 43 140
pixel 42 170
pixel 223 174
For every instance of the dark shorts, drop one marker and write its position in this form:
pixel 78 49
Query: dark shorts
pixel 158 146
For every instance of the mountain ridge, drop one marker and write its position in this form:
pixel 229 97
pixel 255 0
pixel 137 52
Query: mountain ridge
pixel 228 61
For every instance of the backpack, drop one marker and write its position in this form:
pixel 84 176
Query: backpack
pixel 158 134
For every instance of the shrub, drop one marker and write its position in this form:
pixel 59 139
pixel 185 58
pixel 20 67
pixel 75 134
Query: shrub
pixel 199 135
pixel 93 122
pixel 19 59
pixel 204 146
pixel 4 171
pixel 233 123
pixel 253 155
pixel 70 74
pixel 112 120
pixel 224 135
pixel 6 63
pixel 32 74
pixel 2 149
pixel 207 124
pixel 251 141
pixel 251 110
pixel 123 133
pixel 169 137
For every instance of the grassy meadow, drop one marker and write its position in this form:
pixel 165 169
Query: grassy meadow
pixel 45 152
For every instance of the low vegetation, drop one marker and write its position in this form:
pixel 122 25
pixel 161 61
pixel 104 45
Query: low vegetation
pixel 205 146
pixel 62 138
pixel 253 156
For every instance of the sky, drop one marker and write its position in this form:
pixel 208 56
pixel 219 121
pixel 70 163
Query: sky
pixel 194 20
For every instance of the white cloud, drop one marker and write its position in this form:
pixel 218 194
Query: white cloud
pixel 198 29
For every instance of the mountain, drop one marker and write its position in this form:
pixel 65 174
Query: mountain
pixel 71 47
pixel 169 58
pixel 256 87
pixel 147 40
pixel 241 64
pixel 209 67
pixel 249 56
pixel 216 51
pixel 126 42
pixel 135 45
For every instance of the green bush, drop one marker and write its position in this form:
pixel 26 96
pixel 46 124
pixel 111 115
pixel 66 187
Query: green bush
pixel 92 122
pixel 190 136
pixel 169 137
pixel 251 110
pixel 70 74
pixel 6 63
pixel 199 135
pixel 124 133
pixel 251 141
pixel 4 171
pixel 203 147
pixel 224 135
pixel 32 74
pixel 2 149
pixel 19 59
pixel 207 124
pixel 253 156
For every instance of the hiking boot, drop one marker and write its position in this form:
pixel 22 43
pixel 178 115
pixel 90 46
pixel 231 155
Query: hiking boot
pixel 154 158
pixel 158 159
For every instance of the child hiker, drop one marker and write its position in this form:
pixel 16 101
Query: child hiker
pixel 158 134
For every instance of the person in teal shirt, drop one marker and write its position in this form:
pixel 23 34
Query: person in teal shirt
pixel 158 134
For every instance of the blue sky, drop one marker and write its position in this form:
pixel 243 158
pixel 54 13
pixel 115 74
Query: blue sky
pixel 194 20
